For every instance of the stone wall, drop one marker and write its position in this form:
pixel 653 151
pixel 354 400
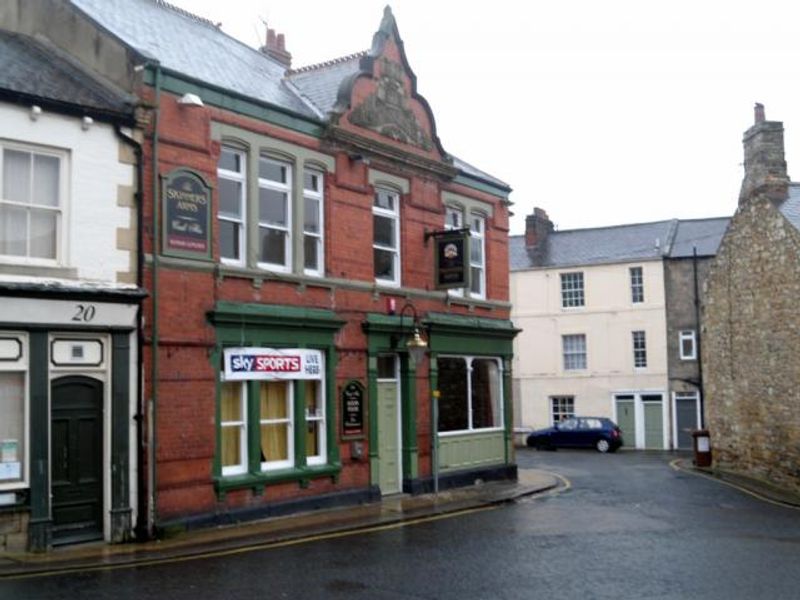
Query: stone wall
pixel 750 347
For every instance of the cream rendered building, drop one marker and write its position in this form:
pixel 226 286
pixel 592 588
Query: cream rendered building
pixel 591 307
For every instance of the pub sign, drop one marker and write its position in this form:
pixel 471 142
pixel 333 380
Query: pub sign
pixel 186 215
pixel 353 410
pixel 452 259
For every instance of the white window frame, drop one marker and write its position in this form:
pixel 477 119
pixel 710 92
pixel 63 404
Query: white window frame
pixel 287 229
pixel 321 421
pixel 637 285
pixel 639 340
pixel 687 335
pixel 478 237
pixel 239 177
pixel 570 351
pixel 557 404
pixel 20 365
pixel 62 218
pixel 242 467
pixel 500 375
pixel 288 463
pixel 395 216
pixel 319 197
pixel 573 290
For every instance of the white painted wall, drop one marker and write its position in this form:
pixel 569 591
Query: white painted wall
pixel 93 176
pixel 607 320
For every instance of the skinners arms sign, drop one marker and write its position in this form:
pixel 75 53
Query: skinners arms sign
pixel 271 364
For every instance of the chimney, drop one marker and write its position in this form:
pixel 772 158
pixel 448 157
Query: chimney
pixel 537 226
pixel 765 170
pixel 276 48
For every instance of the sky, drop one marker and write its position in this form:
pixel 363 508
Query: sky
pixel 601 113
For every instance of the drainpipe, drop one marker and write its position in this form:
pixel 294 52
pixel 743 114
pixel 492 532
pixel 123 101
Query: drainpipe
pixel 154 335
pixel 699 348
pixel 141 529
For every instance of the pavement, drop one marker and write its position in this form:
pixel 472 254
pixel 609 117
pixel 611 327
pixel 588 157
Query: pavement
pixel 293 529
pixel 759 488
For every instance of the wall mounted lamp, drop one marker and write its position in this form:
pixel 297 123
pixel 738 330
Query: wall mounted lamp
pixel 190 100
pixel 416 344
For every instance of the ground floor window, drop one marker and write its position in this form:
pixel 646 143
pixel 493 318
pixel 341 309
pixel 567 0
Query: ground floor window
pixel 13 411
pixel 277 391
pixel 470 393
pixel 561 408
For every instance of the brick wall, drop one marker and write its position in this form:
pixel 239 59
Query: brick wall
pixel 186 403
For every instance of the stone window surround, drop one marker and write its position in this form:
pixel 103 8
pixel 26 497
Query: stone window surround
pixel 687 335
pixel 255 145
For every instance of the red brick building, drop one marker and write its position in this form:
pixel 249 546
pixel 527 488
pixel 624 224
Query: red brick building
pixel 287 252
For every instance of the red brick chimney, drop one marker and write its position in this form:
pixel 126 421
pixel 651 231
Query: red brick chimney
pixel 276 48
pixel 537 227
pixel 764 163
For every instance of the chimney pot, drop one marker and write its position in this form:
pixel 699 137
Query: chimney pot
pixel 281 41
pixel 270 38
pixel 275 48
pixel 760 116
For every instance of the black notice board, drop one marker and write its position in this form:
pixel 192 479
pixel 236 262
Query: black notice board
pixel 353 398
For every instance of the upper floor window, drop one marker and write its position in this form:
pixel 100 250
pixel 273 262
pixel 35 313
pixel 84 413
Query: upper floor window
pixel 455 219
pixel 31 203
pixel 637 285
pixel 386 236
pixel 232 185
pixel 313 223
pixel 572 290
pixel 688 344
pixel 274 214
pixel 639 350
pixel 574 351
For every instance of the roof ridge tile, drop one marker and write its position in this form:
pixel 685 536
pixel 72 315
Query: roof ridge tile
pixel 328 63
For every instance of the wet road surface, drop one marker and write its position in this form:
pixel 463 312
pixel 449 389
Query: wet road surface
pixel 629 526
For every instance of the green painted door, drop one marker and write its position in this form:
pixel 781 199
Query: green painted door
pixel 76 466
pixel 626 419
pixel 653 421
pixel 389 437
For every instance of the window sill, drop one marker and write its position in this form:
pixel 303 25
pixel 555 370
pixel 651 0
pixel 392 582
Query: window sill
pixel 258 481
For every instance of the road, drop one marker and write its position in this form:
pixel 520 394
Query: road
pixel 628 526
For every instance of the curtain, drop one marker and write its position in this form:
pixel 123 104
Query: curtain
pixel 274 421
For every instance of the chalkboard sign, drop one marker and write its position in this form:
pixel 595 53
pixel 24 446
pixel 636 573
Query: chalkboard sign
pixel 353 410
pixel 186 215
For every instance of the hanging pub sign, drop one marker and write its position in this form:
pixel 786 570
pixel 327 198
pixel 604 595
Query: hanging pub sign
pixel 452 258
pixel 186 215
pixel 353 410
pixel 243 364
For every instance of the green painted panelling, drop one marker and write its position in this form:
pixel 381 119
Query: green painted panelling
pixel 232 314
pixel 40 427
pixel 470 335
pixel 469 451
pixel 120 421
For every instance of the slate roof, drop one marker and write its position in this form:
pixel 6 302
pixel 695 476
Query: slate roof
pixel 704 234
pixel 195 47
pixel 36 71
pixel 620 243
pixel 790 208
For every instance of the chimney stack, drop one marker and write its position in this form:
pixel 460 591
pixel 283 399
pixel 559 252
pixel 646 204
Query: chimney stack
pixel 537 227
pixel 276 48
pixel 765 171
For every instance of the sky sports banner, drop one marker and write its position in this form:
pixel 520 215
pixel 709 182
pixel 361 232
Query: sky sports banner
pixel 270 363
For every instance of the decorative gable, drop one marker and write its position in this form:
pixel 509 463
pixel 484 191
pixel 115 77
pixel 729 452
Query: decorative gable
pixel 380 102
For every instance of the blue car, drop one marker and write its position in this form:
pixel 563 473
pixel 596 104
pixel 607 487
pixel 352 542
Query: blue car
pixel 579 432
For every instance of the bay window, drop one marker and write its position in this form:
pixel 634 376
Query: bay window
pixel 276 424
pixel 470 393
pixel 233 425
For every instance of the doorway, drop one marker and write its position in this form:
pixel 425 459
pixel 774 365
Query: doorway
pixel 76 459
pixel 389 441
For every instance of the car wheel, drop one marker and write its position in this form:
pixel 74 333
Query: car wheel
pixel 602 445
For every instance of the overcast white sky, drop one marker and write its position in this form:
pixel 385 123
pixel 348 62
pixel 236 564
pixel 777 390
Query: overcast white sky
pixel 599 112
